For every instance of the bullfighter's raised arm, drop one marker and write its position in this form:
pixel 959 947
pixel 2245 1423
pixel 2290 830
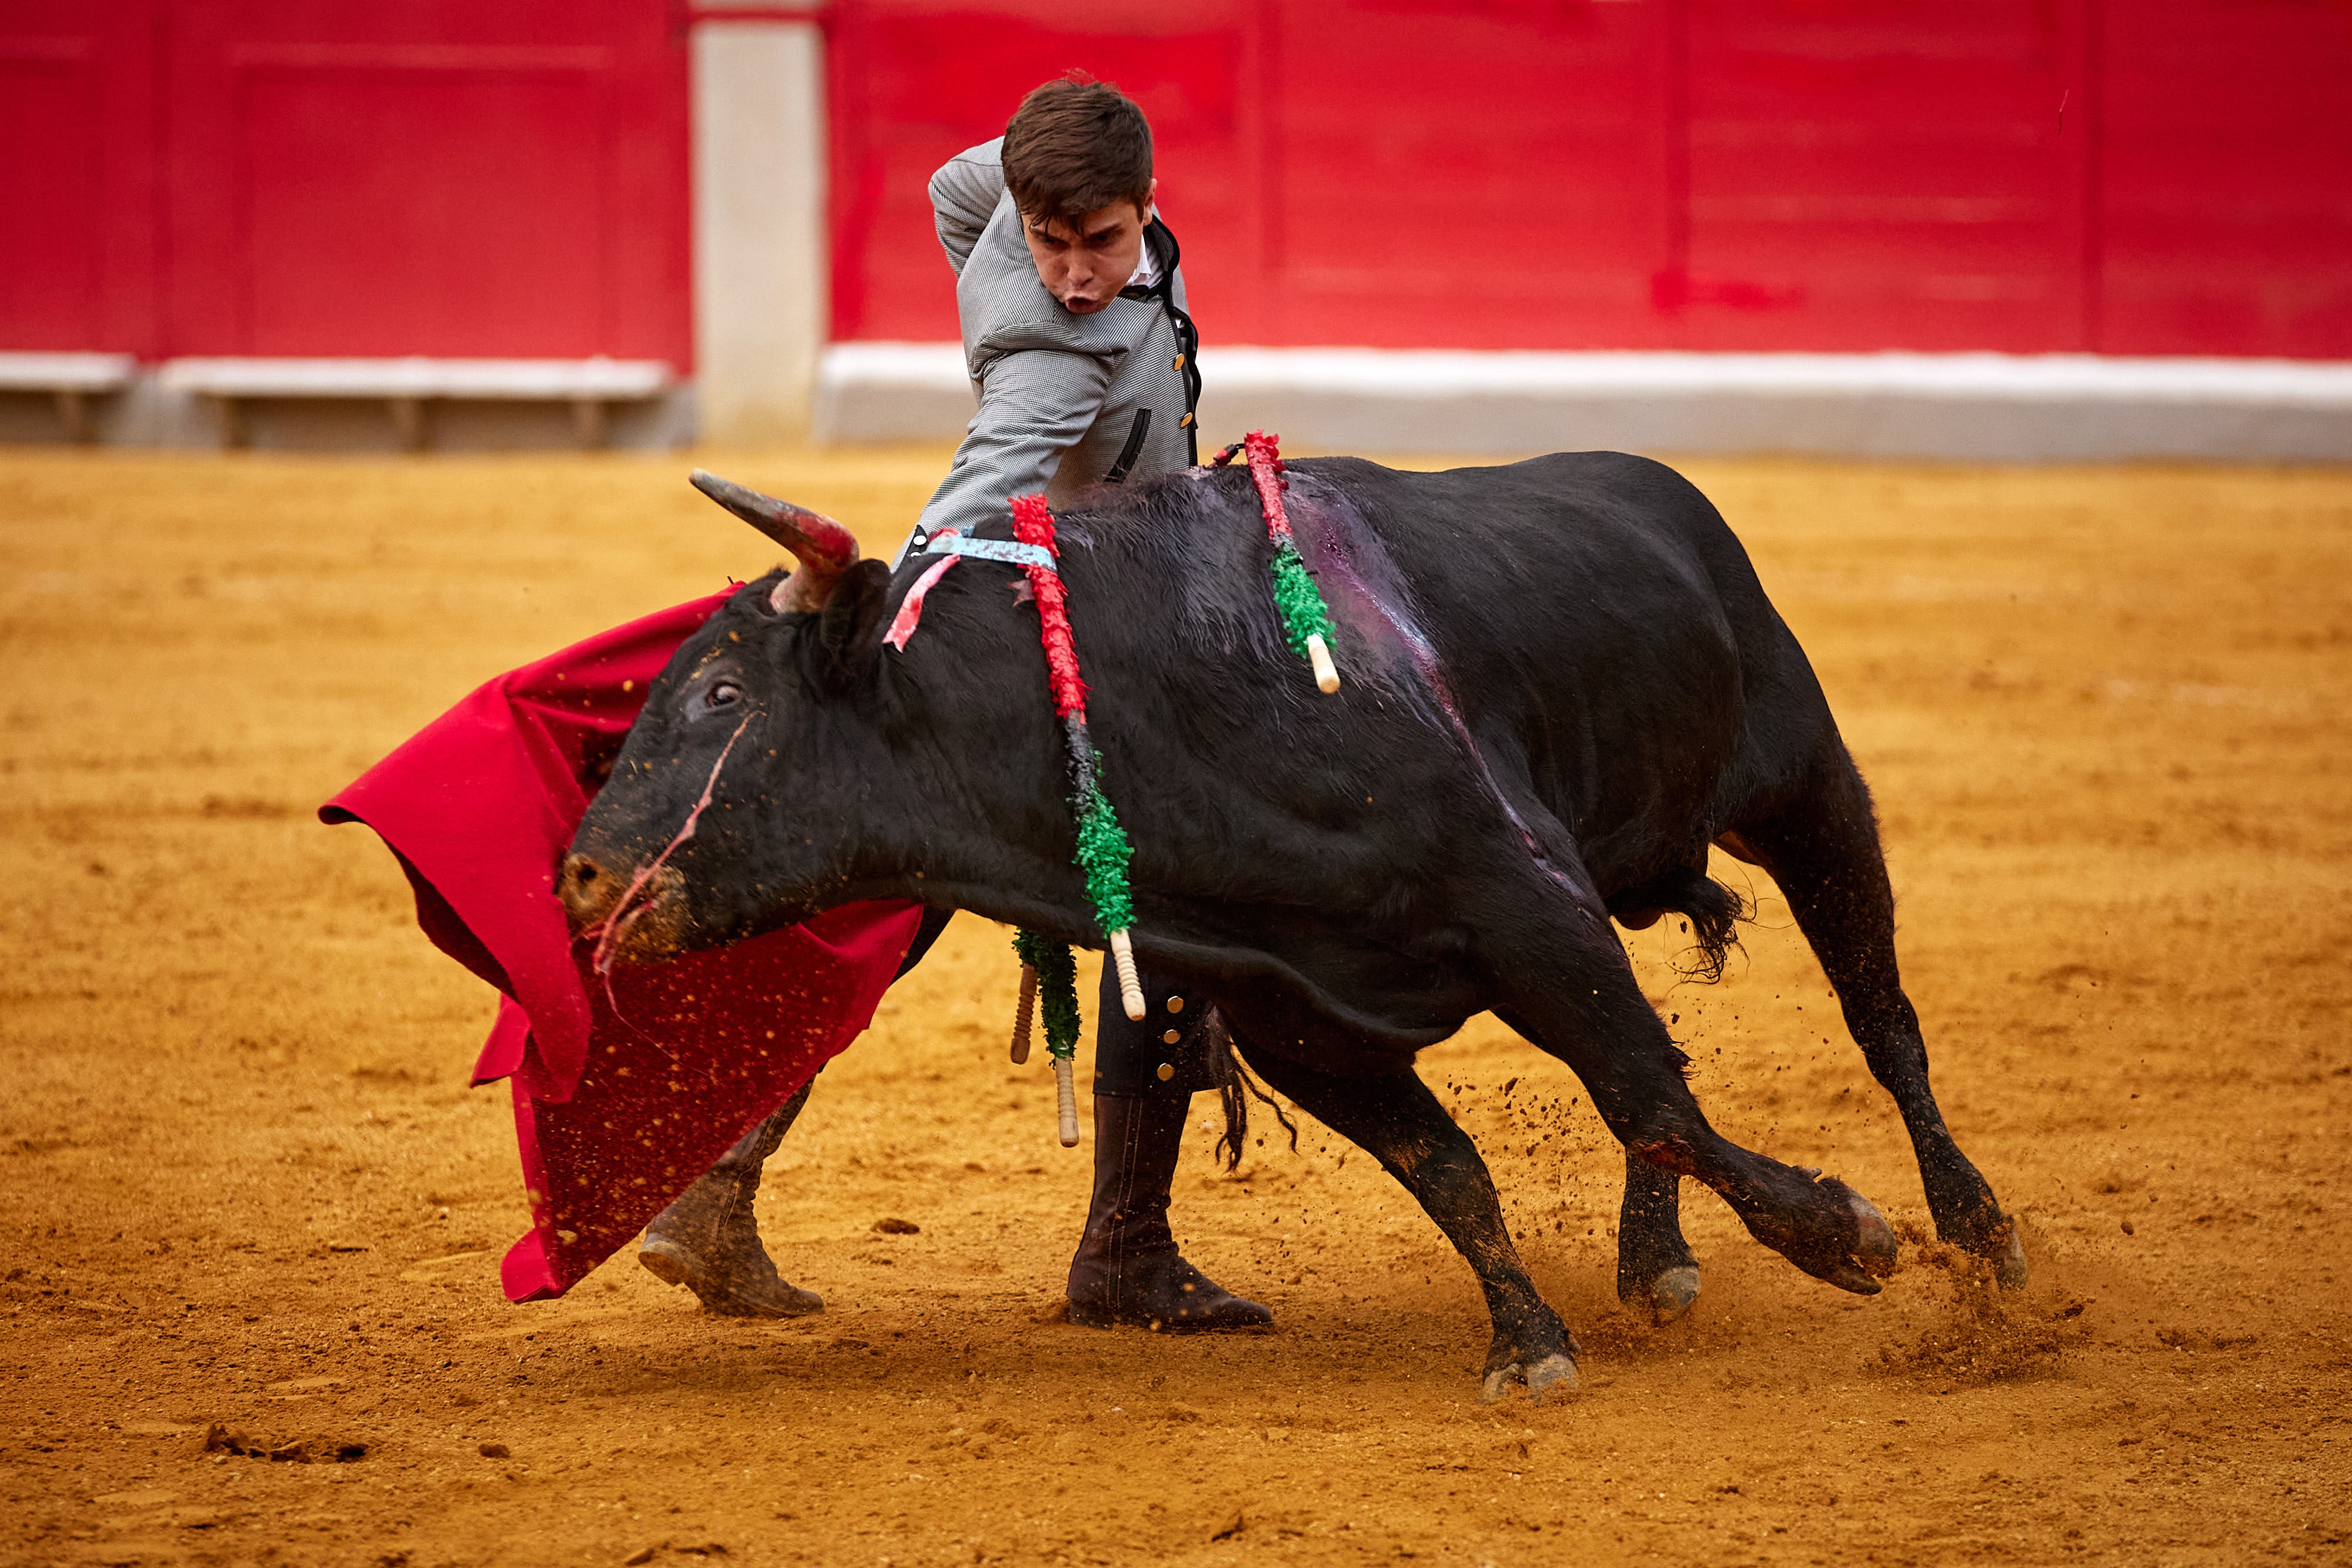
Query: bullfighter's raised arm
pixel 964 195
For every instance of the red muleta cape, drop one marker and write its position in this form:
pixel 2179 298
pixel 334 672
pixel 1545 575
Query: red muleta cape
pixel 622 1094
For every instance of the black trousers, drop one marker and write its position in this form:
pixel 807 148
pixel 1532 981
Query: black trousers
pixel 1164 1056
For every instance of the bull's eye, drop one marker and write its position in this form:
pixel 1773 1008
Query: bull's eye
pixel 722 693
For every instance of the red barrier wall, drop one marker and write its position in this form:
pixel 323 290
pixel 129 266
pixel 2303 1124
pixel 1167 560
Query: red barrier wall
pixel 444 177
pixel 79 123
pixel 282 177
pixel 2162 176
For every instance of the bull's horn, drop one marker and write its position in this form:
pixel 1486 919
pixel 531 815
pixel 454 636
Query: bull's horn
pixel 823 549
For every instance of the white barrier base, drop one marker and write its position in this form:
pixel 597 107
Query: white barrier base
pixel 1970 407
pixel 1985 407
pixel 344 404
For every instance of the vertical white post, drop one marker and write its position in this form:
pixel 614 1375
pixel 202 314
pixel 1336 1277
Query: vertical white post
pixel 762 294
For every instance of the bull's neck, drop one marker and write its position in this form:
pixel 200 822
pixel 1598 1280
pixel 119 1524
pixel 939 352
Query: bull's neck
pixel 975 750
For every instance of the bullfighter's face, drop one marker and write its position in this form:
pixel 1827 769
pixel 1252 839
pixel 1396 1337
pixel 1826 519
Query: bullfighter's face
pixel 1085 264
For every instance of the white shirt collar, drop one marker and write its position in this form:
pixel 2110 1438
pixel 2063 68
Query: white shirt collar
pixel 1147 271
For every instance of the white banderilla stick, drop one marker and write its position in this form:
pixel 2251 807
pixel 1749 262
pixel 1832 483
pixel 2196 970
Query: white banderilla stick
pixel 1318 654
pixel 1066 1101
pixel 1130 989
pixel 1023 1014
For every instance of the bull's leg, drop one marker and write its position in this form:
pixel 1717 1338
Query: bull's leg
pixel 1825 857
pixel 1654 1266
pixel 1572 992
pixel 1397 1120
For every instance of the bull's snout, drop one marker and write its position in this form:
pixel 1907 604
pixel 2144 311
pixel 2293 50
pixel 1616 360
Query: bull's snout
pixel 589 890
pixel 635 916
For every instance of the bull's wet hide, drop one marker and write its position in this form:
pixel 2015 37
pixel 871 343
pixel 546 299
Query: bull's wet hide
pixel 627 1085
pixel 1565 680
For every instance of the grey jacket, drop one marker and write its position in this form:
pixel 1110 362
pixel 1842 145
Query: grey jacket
pixel 1066 401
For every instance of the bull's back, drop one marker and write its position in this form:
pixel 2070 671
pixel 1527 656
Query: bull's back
pixel 1595 610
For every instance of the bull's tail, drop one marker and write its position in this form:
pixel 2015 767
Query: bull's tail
pixel 1234 1086
pixel 1713 910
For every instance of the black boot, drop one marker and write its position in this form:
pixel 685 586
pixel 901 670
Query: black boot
pixel 1127 1270
pixel 708 1241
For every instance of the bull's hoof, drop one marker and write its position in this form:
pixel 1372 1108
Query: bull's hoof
pixel 1979 1227
pixel 748 1293
pixel 1553 1372
pixel 1672 1293
pixel 1872 1255
pixel 1984 1233
pixel 1829 1230
pixel 2008 1257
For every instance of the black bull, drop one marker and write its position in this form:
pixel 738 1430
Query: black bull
pixel 1564 682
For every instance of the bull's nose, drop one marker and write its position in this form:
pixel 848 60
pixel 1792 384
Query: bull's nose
pixel 587 889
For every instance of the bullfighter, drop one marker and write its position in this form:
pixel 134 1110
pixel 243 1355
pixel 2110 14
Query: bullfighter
pixel 1072 304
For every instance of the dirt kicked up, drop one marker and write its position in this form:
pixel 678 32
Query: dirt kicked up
pixel 250 1297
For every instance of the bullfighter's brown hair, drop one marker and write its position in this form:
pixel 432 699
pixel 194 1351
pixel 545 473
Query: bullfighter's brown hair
pixel 1074 146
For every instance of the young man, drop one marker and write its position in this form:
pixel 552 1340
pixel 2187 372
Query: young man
pixel 1075 337
pixel 1072 306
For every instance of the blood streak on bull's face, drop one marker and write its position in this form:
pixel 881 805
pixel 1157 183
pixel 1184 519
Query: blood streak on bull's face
pixel 702 816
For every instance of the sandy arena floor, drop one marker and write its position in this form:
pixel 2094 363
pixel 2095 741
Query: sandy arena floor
pixel 243 1182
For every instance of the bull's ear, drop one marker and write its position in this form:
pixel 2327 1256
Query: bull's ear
pixel 848 630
